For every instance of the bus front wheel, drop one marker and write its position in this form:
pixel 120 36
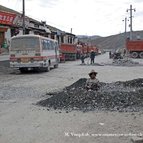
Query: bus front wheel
pixel 23 70
pixel 56 66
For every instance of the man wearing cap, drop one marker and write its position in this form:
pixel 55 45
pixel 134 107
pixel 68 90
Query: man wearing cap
pixel 92 83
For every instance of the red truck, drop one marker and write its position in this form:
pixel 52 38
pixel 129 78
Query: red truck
pixel 68 52
pixel 71 52
pixel 135 48
pixel 93 48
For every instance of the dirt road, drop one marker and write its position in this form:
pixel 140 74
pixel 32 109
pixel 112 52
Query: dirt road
pixel 21 121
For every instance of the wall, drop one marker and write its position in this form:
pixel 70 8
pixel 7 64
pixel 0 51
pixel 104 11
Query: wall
pixel 8 34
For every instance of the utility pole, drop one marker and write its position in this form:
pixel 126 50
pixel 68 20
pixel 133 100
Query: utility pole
pixel 71 30
pixel 125 20
pixel 131 30
pixel 23 16
pixel 125 38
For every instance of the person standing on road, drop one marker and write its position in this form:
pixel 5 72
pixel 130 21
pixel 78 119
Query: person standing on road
pixel 92 83
pixel 110 55
pixel 82 58
pixel 92 56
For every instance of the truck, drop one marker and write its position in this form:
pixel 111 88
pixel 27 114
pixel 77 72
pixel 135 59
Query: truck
pixel 135 48
pixel 68 52
pixel 72 52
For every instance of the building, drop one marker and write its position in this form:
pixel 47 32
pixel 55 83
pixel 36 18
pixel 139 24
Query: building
pixel 11 24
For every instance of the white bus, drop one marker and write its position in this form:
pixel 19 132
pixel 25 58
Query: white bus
pixel 33 52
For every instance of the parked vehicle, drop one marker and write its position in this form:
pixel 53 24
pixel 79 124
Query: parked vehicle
pixel 71 52
pixel 135 48
pixel 33 52
pixel 95 49
pixel 68 52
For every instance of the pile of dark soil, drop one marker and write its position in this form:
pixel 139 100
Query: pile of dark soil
pixel 116 96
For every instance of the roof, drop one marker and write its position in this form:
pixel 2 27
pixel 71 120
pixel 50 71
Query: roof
pixel 54 29
pixel 67 33
pixel 3 8
pixel 32 35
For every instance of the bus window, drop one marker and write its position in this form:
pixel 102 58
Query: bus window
pixel 25 43
pixel 44 45
pixel 52 45
pixel 48 45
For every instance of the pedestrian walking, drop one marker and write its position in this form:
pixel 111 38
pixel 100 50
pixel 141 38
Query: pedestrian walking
pixel 110 55
pixel 92 57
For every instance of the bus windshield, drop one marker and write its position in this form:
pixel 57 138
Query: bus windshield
pixel 23 43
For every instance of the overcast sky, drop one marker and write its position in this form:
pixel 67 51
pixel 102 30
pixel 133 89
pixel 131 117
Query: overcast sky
pixel 85 17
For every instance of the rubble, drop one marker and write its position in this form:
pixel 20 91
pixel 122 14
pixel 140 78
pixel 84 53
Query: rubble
pixel 116 96
pixel 115 62
pixel 95 64
pixel 137 140
pixel 124 62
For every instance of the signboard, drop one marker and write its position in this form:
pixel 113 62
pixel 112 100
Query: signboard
pixel 12 19
pixel 19 21
pixel 7 18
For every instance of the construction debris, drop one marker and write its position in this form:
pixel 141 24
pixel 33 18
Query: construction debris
pixel 115 62
pixel 117 96
pixel 124 62
pixel 137 140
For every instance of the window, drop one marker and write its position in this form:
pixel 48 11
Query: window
pixel 44 45
pixel 48 45
pixel 52 45
pixel 25 43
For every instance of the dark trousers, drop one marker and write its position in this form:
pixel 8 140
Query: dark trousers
pixel 82 61
pixel 92 60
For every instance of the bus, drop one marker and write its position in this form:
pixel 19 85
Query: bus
pixel 35 52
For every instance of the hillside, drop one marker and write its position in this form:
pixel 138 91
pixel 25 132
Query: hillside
pixel 86 38
pixel 112 42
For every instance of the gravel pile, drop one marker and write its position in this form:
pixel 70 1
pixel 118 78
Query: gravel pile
pixel 116 96
pixel 124 62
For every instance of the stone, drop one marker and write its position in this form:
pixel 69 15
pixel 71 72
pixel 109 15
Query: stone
pixel 137 140
pixel 116 96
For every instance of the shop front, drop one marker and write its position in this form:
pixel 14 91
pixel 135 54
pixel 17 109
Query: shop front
pixel 6 21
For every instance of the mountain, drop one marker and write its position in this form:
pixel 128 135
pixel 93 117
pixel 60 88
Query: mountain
pixel 86 38
pixel 112 42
